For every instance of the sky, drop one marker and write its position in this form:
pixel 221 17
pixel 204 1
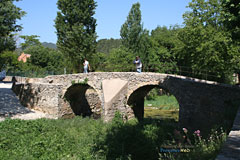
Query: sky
pixel 110 15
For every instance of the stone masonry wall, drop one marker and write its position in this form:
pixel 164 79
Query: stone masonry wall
pixel 203 104
pixel 41 97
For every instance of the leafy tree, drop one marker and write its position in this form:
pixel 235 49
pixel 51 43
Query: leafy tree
pixel 98 61
pixel 161 55
pixel 132 29
pixel 231 14
pixel 45 59
pixel 75 27
pixel 8 61
pixel 30 41
pixel 9 14
pixel 204 12
pixel 120 59
pixel 205 46
pixel 231 21
pixel 106 45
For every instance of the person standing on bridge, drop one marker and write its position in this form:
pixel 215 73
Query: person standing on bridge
pixel 138 64
pixel 86 66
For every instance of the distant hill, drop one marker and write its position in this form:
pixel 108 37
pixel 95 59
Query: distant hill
pixel 49 45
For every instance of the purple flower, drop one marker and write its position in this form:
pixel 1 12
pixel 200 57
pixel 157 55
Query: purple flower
pixel 197 132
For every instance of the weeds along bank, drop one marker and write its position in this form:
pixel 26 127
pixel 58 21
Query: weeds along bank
pixel 84 138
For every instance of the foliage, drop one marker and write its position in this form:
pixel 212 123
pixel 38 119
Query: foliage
pixel 8 61
pixel 161 57
pixel 204 12
pixel 132 29
pixel 200 148
pixel 84 138
pixel 9 14
pixel 50 139
pixel 231 10
pixel 205 46
pixel 162 113
pixel 155 51
pixel 161 105
pixel 30 41
pixel 121 58
pixel 134 37
pixel 75 27
pixel 98 60
pixel 85 81
pixel 231 21
pixel 106 45
pixel 45 59
pixel 164 102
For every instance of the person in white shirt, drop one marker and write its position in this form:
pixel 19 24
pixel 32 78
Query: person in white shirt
pixel 85 66
pixel 138 64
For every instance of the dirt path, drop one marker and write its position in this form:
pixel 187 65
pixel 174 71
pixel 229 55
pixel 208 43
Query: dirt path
pixel 11 107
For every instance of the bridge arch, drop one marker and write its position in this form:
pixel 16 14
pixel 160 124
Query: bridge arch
pixel 83 100
pixel 137 96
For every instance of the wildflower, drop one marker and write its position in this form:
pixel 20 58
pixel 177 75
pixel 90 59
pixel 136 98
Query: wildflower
pixel 185 130
pixel 197 132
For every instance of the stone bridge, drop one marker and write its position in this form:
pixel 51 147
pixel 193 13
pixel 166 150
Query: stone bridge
pixel 202 104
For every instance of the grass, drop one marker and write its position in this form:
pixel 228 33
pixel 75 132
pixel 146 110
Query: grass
pixel 49 139
pixel 162 107
pixel 163 102
pixel 161 114
pixel 88 139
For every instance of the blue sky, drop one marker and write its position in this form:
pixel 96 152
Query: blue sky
pixel 110 15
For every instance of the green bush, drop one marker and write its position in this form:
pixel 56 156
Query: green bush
pixel 85 138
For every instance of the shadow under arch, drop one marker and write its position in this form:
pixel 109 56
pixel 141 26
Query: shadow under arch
pixel 136 98
pixel 84 100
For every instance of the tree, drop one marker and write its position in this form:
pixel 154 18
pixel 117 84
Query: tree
pixel 30 41
pixel 205 47
pixel 9 14
pixel 8 61
pixel 45 59
pixel 132 29
pixel 161 56
pixel 75 27
pixel 231 10
pixel 204 12
pixel 122 58
pixel 106 45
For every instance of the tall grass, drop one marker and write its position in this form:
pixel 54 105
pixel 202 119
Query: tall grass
pixel 84 138
pixel 49 139
pixel 163 102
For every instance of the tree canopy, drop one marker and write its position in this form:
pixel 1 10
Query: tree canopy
pixel 206 46
pixel 76 33
pixel 9 14
pixel 132 29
